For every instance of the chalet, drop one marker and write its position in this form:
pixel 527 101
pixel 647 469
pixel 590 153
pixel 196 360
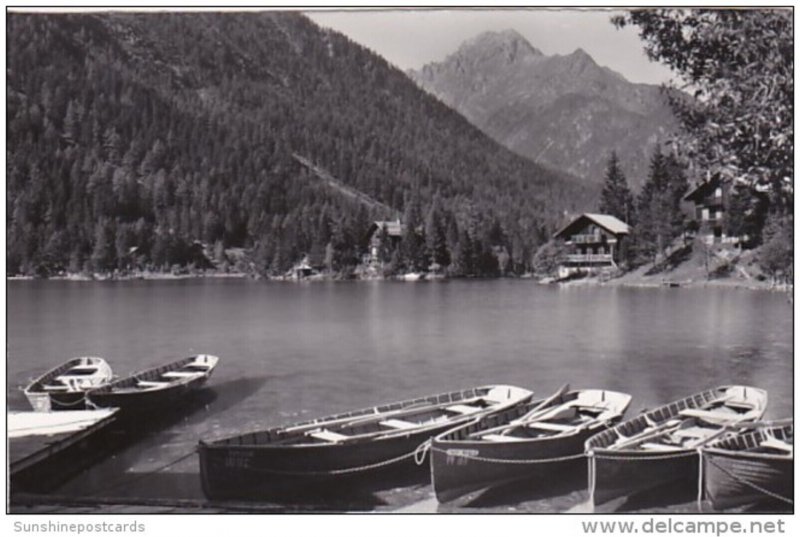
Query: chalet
pixel 302 270
pixel 594 244
pixel 379 231
pixel 709 199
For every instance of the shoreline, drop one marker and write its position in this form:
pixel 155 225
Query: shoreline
pixel 658 282
pixel 629 281
pixel 129 277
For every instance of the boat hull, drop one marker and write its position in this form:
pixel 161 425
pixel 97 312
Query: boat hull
pixel 615 474
pixel 65 387
pixel 230 472
pixel 139 402
pixel 463 469
pixel 358 451
pixel 161 389
pixel 733 479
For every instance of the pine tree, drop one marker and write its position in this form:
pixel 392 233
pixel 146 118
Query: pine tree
pixel 659 216
pixel 103 254
pixel 435 237
pixel 616 198
pixel 412 243
pixel 776 255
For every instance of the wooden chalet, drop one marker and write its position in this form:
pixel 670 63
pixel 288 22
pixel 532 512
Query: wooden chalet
pixel 379 231
pixel 594 244
pixel 710 198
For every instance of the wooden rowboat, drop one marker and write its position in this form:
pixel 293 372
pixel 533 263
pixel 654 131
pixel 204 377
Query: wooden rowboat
pixel 660 447
pixel 501 448
pixel 156 388
pixel 302 458
pixel 65 387
pixel 751 467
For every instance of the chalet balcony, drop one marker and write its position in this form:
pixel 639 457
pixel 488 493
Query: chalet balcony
pixel 586 239
pixel 589 258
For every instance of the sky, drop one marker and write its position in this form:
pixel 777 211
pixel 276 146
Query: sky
pixel 411 38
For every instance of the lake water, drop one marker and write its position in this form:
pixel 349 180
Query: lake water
pixel 294 351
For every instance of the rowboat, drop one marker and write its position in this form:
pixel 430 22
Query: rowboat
pixel 661 446
pixel 155 388
pixel 302 458
pixel 751 467
pixel 65 387
pixel 527 442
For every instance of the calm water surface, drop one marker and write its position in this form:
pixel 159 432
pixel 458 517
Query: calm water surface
pixel 295 351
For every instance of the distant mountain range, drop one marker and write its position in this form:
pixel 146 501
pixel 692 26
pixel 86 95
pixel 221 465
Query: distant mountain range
pixel 565 112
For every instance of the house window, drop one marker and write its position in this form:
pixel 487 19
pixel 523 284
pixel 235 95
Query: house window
pixel 705 214
pixel 718 192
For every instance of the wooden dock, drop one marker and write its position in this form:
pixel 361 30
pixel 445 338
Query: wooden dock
pixel 44 447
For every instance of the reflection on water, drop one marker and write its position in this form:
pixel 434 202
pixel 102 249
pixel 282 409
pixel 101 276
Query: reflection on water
pixel 292 352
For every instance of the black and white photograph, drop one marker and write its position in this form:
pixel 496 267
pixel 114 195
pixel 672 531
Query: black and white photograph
pixel 411 260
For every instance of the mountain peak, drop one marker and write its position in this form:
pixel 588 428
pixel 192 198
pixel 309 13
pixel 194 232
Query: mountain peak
pixel 565 110
pixel 581 55
pixel 508 45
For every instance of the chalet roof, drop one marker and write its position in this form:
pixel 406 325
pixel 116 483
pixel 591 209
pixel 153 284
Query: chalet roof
pixel 700 189
pixel 612 224
pixel 393 227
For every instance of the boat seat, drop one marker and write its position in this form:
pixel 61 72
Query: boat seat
pixel 327 436
pixel 463 409
pixel 597 407
pixel 547 426
pixel 652 446
pixel 399 424
pixel 151 384
pixel 692 432
pixel 55 387
pixel 780 445
pixel 501 438
pixel 180 374
pixel 704 414
pixel 741 405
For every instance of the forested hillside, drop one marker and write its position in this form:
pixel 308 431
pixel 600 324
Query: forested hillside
pixel 134 138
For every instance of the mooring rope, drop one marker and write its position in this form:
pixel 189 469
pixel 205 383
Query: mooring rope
pixel 421 452
pixel 700 478
pixel 750 484
pixel 77 402
pixel 461 454
pixel 418 455
pixel 592 475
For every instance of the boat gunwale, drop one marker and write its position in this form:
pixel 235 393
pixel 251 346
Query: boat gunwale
pixel 380 436
pixel 131 380
pixel 517 441
pixel 640 422
pixel 36 386
pixel 716 449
